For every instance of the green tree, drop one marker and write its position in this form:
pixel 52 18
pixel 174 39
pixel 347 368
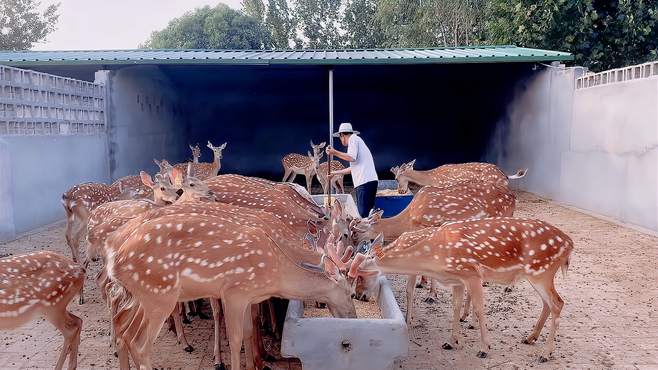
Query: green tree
pixel 22 25
pixel 362 29
pixel 319 22
pixel 219 27
pixel 600 34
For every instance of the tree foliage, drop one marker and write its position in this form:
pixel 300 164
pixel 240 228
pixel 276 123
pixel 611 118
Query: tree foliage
pixel 22 24
pixel 601 34
pixel 219 27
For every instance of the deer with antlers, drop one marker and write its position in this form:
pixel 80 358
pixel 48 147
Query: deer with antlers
pixel 451 174
pixel 42 284
pixel 80 200
pixel 196 154
pixel 432 207
pixel 463 254
pixel 189 255
pixel 297 164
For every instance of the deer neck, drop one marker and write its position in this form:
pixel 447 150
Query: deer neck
pixel 301 283
pixel 393 227
pixel 418 177
pixel 216 165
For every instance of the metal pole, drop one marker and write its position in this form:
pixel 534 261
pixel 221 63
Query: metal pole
pixel 331 131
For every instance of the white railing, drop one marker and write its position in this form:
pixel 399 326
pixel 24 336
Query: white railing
pixel 35 103
pixel 639 71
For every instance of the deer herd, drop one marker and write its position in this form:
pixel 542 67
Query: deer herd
pixel 188 234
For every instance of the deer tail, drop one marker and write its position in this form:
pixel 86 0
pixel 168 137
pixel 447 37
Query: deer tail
pixel 565 266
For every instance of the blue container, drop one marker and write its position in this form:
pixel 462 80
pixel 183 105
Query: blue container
pixel 391 205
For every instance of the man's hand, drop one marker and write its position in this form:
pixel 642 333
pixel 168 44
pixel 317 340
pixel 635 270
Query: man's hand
pixel 330 150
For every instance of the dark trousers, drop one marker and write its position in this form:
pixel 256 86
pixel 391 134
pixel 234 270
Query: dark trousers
pixel 365 197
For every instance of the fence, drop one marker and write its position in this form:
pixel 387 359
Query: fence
pixel 639 71
pixel 34 103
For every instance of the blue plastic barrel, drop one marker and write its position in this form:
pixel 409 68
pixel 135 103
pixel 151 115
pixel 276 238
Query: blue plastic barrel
pixel 391 205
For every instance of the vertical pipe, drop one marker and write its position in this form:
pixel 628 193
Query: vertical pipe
pixel 331 132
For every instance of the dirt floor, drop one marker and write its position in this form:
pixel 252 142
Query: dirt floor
pixel 610 318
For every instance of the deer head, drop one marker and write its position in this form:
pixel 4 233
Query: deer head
pixel 194 189
pixel 196 153
pixel 163 192
pixel 217 150
pixel 317 149
pixel 362 229
pixel 399 172
pixel 363 271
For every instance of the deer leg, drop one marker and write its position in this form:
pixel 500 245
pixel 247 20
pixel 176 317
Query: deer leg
pixel 309 182
pixel 186 313
pixel 216 315
pixel 180 334
pixel 69 325
pixel 550 296
pixel 457 299
pixel 234 316
pixel 433 288
pixel 286 174
pixel 411 282
pixel 477 297
pixel 340 184
pixel 467 309
pixel 272 312
pixel 253 342
pixel 141 346
pixel 423 282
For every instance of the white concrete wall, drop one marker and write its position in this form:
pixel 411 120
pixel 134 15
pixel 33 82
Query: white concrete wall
pixel 36 170
pixel 146 120
pixel 592 148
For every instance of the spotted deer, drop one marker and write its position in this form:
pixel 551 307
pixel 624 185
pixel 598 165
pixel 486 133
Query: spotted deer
pixel 42 284
pixel 434 206
pixel 451 174
pixel 280 232
pixel 196 153
pixel 297 164
pixel 321 174
pixel 107 218
pixel 134 184
pixel 463 254
pixel 79 201
pixel 188 256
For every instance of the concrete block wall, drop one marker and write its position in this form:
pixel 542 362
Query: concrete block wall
pixel 147 120
pixel 52 136
pixel 594 148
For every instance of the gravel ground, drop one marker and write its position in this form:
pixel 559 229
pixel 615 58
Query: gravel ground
pixel 609 319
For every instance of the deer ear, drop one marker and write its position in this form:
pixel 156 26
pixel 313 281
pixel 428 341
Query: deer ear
pixel 191 147
pixel 156 162
pixel 410 165
pixel 223 146
pixel 377 215
pixel 395 170
pixel 209 144
pixel 376 247
pixel 322 144
pixel 189 169
pixel 309 154
pixel 312 145
pixel 336 210
pixel 146 179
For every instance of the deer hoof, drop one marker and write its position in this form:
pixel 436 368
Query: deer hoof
pixel 81 301
pixel 189 349
pixel 429 300
pixel 542 359
pixel 482 354
pixel 419 285
pixel 462 320
pixel 220 366
pixel 446 345
pixel 186 321
pixel 116 354
pixel 507 289
pixel 529 340
pixel 471 327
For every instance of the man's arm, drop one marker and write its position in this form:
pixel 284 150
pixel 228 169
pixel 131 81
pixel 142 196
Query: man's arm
pixel 339 154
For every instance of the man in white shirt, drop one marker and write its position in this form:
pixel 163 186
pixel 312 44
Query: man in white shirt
pixel 362 167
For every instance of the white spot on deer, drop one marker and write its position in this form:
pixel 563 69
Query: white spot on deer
pixel 147 237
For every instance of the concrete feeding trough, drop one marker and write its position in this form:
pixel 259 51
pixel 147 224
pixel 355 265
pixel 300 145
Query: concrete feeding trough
pixel 324 343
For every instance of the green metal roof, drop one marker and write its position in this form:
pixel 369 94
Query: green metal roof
pixel 471 54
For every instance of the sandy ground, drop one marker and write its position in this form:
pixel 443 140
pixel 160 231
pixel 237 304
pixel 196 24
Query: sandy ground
pixel 610 318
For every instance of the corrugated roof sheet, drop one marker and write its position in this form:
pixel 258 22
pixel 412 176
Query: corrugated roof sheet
pixel 477 54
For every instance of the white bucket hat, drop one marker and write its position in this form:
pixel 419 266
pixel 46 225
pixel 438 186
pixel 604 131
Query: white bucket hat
pixel 345 128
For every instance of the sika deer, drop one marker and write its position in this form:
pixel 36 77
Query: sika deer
pixel 186 256
pixel 297 164
pixel 321 174
pixel 203 171
pixel 431 207
pixel 451 174
pixel 78 203
pixel 196 153
pixel 42 284
pixel 466 253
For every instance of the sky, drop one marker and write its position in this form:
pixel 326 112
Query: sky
pixel 114 24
